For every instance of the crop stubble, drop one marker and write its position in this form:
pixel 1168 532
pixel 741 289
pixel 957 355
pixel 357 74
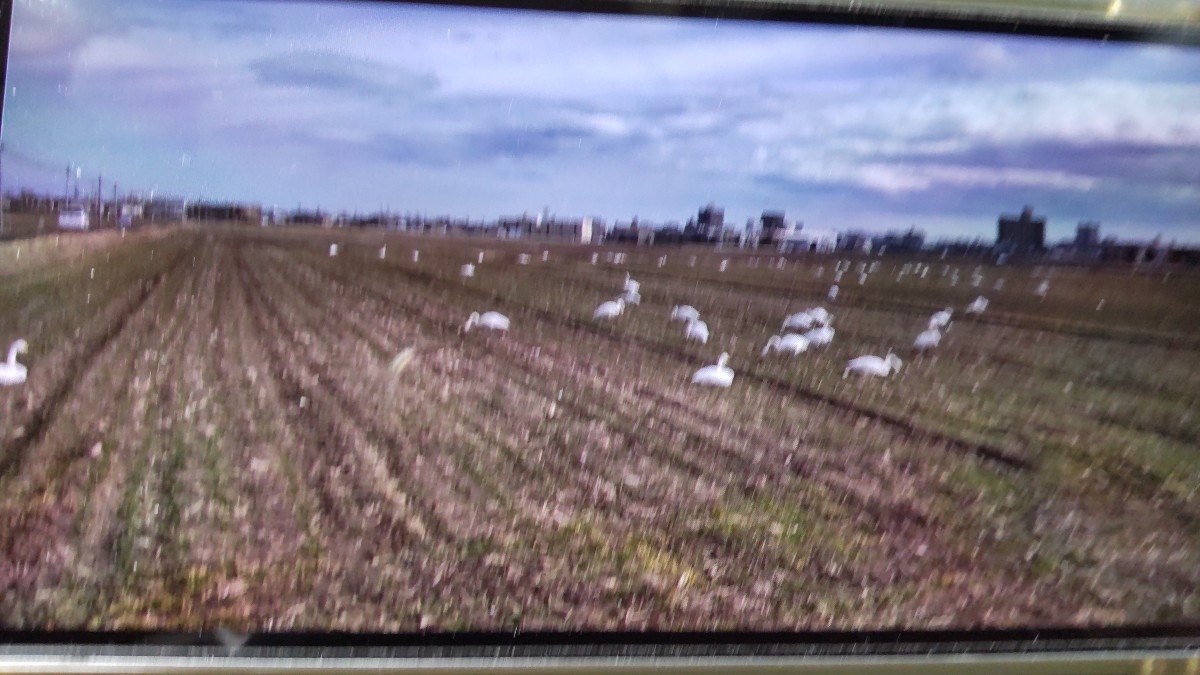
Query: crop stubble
pixel 264 468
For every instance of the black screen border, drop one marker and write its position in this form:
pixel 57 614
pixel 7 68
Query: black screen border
pixel 1177 642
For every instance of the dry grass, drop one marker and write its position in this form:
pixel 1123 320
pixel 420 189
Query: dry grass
pixel 265 464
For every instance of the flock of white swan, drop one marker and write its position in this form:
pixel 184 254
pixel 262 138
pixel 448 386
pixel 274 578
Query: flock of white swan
pixel 814 321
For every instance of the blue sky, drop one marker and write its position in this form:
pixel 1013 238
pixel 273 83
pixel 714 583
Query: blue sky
pixel 483 113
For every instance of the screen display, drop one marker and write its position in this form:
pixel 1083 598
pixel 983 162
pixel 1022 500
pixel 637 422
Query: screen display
pixel 359 316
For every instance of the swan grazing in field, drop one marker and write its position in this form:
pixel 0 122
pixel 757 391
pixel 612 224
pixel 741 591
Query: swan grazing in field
pixel 719 375
pixel 12 372
pixel 978 306
pixel 1042 289
pixel 940 319
pixel 819 315
pixel 792 342
pixel 873 365
pixel 489 320
pixel 928 339
pixel 609 310
pixel 468 270
pixel 696 330
pixel 684 313
pixel 632 298
pixel 631 286
pixel 818 337
pixel 833 292
pixel 801 320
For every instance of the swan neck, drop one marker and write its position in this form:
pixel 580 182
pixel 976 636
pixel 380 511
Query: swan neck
pixel 12 355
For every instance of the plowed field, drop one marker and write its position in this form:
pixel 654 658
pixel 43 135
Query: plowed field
pixel 212 433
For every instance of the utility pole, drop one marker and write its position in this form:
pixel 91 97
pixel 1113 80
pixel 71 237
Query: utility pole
pixel 99 199
pixel 67 187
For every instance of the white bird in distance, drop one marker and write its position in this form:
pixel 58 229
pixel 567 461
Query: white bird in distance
pixel 489 320
pixel 609 310
pixel 719 375
pixel 11 372
pixel 874 365
pixel 792 342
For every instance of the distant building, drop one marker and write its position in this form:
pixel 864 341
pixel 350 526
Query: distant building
pixel 73 218
pixel 130 212
pixel 749 236
pixel 1087 236
pixel 299 217
pixel 1084 248
pixel 808 240
pixel 770 225
pixel 645 233
pixel 223 211
pixel 623 232
pixel 165 209
pixel 1022 234
pixel 710 222
pixel 855 242
pixel 900 242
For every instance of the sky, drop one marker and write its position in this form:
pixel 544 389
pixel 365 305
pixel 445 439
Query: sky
pixel 482 113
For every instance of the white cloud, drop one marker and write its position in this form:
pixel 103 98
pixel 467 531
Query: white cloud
pixel 709 104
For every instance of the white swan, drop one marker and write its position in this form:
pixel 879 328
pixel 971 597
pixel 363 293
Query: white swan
pixel 819 336
pixel 12 372
pixel 792 342
pixel 801 320
pixel 631 285
pixel 609 310
pixel 978 306
pixel 940 319
pixel 833 292
pixel 632 298
pixel 820 316
pixel 468 270
pixel 696 330
pixel 684 313
pixel 928 339
pixel 873 365
pixel 715 376
pixel 489 320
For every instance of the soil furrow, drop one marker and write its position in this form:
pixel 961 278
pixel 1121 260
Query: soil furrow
pixel 81 564
pixel 987 451
pixel 47 411
pixel 879 511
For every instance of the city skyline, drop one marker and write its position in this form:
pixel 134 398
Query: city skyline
pixel 486 113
